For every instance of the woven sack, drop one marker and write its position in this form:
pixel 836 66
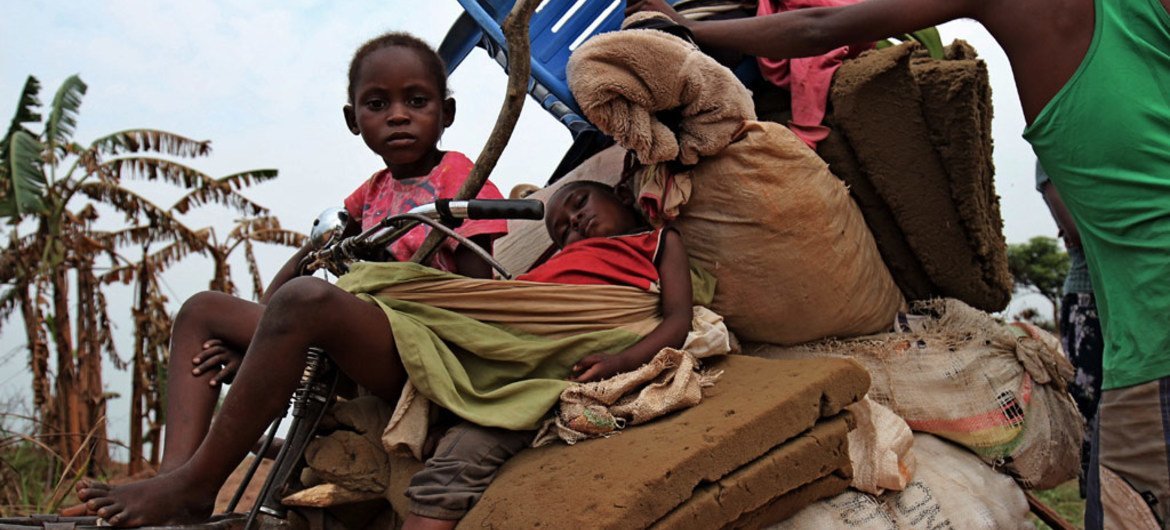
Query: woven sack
pixel 879 448
pixel 965 377
pixel 952 489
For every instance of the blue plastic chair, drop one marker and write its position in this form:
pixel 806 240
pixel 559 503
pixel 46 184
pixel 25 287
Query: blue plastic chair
pixel 558 27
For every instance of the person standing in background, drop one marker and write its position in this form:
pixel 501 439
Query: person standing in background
pixel 1080 329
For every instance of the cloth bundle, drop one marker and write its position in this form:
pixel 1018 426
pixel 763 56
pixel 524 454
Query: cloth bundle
pixel 672 381
pixel 879 448
pixel 806 78
pixel 627 81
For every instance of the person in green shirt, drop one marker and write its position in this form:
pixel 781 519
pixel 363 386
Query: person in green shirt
pixel 1093 78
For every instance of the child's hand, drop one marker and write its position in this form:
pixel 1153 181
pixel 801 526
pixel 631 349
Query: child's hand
pixel 660 6
pixel 219 357
pixel 596 367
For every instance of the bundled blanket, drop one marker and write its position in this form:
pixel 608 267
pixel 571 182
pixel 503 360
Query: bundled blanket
pixel 671 381
pixel 495 352
pixel 626 81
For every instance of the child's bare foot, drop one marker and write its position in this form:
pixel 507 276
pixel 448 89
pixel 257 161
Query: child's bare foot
pixel 77 510
pixel 166 499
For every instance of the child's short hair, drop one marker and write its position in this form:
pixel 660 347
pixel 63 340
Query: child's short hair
pixel 585 183
pixel 398 38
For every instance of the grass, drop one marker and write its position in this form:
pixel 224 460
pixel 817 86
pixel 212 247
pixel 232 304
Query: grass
pixel 33 478
pixel 1066 500
pixel 27 476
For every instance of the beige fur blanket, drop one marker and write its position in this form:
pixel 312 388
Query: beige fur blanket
pixel 626 80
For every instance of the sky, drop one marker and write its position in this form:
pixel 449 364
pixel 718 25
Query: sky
pixel 265 81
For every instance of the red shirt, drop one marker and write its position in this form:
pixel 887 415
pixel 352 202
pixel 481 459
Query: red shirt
pixel 618 260
pixel 383 195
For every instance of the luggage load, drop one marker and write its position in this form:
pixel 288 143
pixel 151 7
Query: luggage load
pixel 927 192
pixel 769 439
pixel 796 262
pixel 963 376
pixel 763 213
pixel 952 489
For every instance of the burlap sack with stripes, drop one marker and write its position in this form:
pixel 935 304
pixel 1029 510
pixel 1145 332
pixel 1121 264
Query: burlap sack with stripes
pixel 963 376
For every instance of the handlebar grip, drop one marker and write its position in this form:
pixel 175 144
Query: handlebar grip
pixel 505 209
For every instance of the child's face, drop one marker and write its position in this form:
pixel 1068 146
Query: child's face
pixel 398 110
pixel 585 211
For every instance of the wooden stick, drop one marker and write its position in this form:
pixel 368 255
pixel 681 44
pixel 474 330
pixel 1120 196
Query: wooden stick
pixel 1046 514
pixel 515 29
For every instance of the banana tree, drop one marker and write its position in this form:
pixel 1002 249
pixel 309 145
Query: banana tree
pixel 153 321
pixel 50 189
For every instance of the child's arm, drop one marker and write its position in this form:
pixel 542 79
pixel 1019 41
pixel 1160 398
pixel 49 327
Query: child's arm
pixel 291 269
pixel 674 276
pixel 813 31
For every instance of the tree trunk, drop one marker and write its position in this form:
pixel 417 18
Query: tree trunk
pixel 157 354
pixel 222 281
pixel 67 422
pixel 1055 315
pixel 138 368
pixel 89 366
pixel 38 352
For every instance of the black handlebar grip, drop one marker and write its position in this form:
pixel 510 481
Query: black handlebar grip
pixel 505 209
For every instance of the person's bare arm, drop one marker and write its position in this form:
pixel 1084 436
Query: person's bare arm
pixel 813 31
pixel 290 268
pixel 674 275
pixel 1064 220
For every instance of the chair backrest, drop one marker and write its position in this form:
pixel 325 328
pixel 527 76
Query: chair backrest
pixel 557 28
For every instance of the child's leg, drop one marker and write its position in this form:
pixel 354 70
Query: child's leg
pixel 464 464
pixel 191 398
pixel 304 312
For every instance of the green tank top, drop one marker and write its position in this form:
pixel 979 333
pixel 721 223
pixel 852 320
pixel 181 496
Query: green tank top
pixel 1104 139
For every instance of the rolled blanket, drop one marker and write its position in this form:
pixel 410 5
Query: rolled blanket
pixel 624 80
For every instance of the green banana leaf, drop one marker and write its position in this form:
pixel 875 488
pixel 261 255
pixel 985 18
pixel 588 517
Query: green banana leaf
pixel 929 38
pixel 22 182
pixel 63 114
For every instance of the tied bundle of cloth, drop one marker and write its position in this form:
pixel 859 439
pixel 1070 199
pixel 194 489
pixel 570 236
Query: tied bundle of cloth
pixel 624 80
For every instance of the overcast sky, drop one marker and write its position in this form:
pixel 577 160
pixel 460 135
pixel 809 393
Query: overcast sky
pixel 265 81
